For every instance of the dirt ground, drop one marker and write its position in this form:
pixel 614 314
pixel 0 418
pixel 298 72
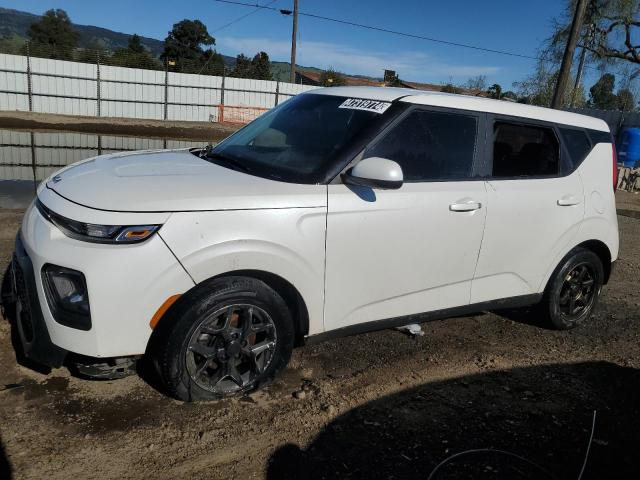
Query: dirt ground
pixel 169 129
pixel 380 405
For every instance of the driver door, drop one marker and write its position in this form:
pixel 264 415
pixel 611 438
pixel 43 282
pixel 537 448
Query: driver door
pixel 391 253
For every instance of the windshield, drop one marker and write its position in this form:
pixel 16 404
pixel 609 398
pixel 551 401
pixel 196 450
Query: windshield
pixel 296 141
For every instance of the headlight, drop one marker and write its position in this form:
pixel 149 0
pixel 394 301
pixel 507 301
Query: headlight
pixel 90 232
pixel 66 293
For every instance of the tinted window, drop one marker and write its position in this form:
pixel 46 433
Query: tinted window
pixel 297 140
pixel 577 143
pixel 524 150
pixel 430 146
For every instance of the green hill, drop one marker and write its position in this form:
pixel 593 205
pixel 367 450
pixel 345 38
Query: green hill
pixel 14 25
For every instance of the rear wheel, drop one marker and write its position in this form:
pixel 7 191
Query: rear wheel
pixel 574 288
pixel 230 335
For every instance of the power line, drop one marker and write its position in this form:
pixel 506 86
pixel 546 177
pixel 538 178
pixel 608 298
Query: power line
pixel 396 32
pixel 385 30
pixel 258 8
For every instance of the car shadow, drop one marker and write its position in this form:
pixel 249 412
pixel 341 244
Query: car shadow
pixel 367 194
pixel 525 315
pixel 6 471
pixel 629 213
pixel 524 423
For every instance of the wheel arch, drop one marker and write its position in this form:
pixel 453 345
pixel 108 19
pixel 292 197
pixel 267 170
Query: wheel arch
pixel 602 251
pixel 596 246
pixel 290 294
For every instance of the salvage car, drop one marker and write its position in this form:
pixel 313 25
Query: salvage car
pixel 340 211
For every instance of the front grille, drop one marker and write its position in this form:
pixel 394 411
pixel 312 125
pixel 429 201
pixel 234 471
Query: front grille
pixel 25 318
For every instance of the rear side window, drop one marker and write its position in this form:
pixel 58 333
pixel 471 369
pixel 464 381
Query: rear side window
pixel 524 151
pixel 577 143
pixel 430 146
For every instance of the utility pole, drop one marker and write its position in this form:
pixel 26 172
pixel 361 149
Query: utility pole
pixel 294 34
pixel 583 54
pixel 565 67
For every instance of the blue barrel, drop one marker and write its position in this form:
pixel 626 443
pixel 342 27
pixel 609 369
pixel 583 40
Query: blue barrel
pixel 628 147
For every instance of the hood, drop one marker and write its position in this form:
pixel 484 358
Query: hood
pixel 174 181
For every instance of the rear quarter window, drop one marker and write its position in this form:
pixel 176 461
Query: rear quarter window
pixel 577 144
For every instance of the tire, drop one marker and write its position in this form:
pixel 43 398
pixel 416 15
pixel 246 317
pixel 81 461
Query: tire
pixel 199 358
pixel 570 282
pixel 7 298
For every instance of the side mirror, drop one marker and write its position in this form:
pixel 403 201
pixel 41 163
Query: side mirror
pixel 375 172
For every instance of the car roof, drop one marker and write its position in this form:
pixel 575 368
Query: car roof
pixel 466 102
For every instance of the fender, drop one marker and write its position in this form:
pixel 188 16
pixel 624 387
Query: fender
pixel 600 221
pixel 288 243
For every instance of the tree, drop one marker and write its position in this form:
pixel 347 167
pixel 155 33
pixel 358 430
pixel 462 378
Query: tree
pixel 261 67
pixel 450 88
pixel 242 69
pixel 538 88
pixel 625 100
pixel 601 94
pixel 615 24
pixel 332 78
pixel 96 50
pixel 184 45
pixel 134 56
pixel 477 83
pixel 609 30
pixel 495 91
pixel 54 35
pixel 212 63
pixel 510 95
pixel 135 44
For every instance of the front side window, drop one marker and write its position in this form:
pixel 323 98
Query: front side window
pixel 430 145
pixel 296 141
pixel 524 151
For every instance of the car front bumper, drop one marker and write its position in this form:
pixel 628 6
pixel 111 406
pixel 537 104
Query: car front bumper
pixel 31 327
pixel 126 285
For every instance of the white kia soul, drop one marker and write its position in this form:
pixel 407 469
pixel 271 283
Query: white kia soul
pixel 342 210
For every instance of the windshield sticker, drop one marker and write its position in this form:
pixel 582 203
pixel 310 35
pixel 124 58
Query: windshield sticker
pixel 368 105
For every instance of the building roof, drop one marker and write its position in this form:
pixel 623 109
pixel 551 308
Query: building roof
pixel 312 77
pixel 433 87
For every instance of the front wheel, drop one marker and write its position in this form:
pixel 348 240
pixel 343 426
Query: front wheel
pixel 230 335
pixel 573 290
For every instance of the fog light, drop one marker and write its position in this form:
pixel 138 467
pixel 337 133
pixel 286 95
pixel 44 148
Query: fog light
pixel 66 292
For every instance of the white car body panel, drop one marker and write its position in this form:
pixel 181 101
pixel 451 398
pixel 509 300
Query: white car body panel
pixel 525 226
pixel 174 181
pixel 355 255
pixel 600 220
pixel 285 242
pixel 390 255
pixel 126 286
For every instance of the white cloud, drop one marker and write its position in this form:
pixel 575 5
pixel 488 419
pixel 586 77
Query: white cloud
pixel 410 65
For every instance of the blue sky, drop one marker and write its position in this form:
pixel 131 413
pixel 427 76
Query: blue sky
pixel 512 25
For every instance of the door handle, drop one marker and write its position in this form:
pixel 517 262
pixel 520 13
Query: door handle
pixel 568 201
pixel 465 206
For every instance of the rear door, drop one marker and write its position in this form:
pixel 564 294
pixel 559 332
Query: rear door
pixel 392 253
pixel 535 204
